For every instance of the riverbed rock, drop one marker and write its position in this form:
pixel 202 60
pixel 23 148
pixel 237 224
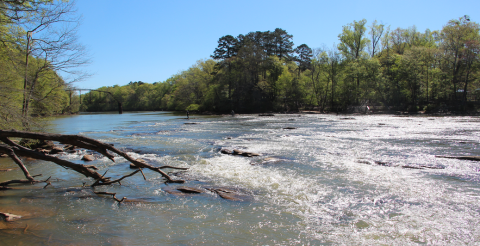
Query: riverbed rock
pixel 469 158
pixel 411 167
pixel 227 195
pixel 230 194
pixel 364 162
pixel 237 152
pixel 69 147
pixel 7 169
pixel 29 211
pixel 45 145
pixel 56 150
pixel 132 166
pixel 174 192
pixel 88 158
pixel 137 200
pixel 9 216
pixel 382 163
pixel 226 151
pixel 182 190
pixel 250 154
pixel 190 190
pixel 289 128
pixel 266 114
pixel 270 159
pixel 44 151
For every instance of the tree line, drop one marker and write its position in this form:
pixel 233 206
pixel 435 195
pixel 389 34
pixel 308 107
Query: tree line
pixel 39 58
pixel 400 69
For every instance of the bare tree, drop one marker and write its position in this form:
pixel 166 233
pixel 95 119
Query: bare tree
pixel 376 32
pixel 50 37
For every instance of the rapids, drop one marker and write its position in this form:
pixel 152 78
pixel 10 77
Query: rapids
pixel 356 179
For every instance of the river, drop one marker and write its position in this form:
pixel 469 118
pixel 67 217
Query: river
pixel 348 180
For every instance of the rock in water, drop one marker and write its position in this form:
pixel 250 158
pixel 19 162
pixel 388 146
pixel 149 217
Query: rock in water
pixel 190 190
pixel 226 151
pixel 237 152
pixel 469 158
pixel 69 147
pixel 88 158
pixel 56 150
pixel 228 196
pixel 9 217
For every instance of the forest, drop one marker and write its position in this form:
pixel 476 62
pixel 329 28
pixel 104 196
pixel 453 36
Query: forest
pixel 39 59
pixel 263 71
pixel 372 65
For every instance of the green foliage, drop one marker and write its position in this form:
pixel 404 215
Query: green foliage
pixel 403 69
pixel 32 51
pixel 193 107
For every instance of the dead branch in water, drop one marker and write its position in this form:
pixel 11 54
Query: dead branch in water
pixel 14 150
pixel 111 194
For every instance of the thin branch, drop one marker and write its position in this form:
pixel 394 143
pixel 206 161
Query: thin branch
pixel 110 193
pixel 88 143
pixel 116 180
pixel 14 157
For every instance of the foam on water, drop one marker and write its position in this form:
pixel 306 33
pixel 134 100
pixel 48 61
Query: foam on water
pixel 333 179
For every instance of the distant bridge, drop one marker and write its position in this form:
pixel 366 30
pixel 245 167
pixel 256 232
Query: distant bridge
pixel 120 107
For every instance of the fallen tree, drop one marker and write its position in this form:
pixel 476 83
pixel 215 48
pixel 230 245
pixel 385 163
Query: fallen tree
pixel 14 151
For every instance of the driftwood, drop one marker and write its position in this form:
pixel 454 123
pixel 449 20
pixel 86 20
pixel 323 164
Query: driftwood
pixel 14 150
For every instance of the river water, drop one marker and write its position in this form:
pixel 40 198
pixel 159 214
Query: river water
pixel 361 180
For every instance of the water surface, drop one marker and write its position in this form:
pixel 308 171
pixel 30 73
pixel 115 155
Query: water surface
pixel 363 180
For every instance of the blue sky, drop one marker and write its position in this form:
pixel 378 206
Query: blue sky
pixel 151 40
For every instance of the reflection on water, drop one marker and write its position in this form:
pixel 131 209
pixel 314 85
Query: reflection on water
pixel 331 180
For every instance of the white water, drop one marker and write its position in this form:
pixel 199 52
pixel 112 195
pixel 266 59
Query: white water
pixel 322 187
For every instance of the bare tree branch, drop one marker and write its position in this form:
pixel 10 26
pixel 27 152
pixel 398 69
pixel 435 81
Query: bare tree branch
pixel 76 140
